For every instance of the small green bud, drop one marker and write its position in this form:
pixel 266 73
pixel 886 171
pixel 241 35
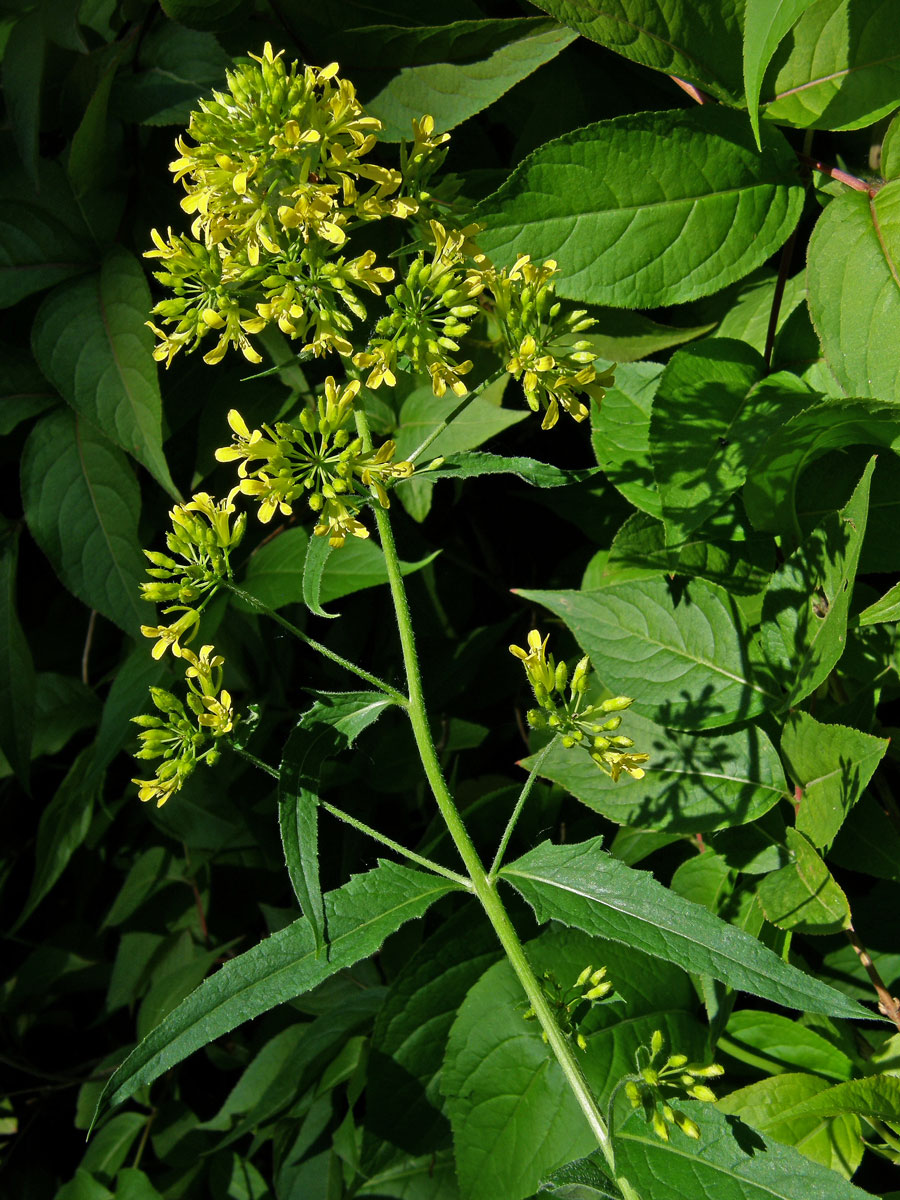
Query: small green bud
pixel 583 977
pixel 616 704
pixel 686 1125
pixel 562 676
pixel 656 1041
pixel 701 1092
pixel 659 1126
pixel 581 1041
pixel 633 1093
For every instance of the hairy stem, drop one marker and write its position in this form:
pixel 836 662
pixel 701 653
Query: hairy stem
pixel 517 811
pixel 419 859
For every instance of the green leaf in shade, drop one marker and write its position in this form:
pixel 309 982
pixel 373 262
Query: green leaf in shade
pixel 36 251
pixel 275 570
pixel 771 488
pixel 778 1044
pixel 472 464
pixel 24 392
pixel 649 209
pixel 730 1161
pixel 17 678
pixel 748 317
pixel 359 564
pixel 803 895
pixel 82 504
pixel 692 784
pixel 127 696
pixel 175 67
pixel 91 341
pixel 63 827
pixel 698 40
pixel 885 609
pixel 63 705
pixel 331 725
pixel 360 915
pixel 775 1106
pixel 133 1184
pixel 764 29
pixel 623 336
pixel 206 14
pixel 23 70
pixel 685 661
pixel 453 92
pixel 854 290
pixel 581 885
pixel 840 68
pixel 505 1090
pixel 877 1096
pixel 110 1146
pixel 91 159
pixel 830 764
pixel 868 842
pixel 808 598
pixel 620 435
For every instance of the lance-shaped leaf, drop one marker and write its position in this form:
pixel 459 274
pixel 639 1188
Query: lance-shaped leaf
pixel 318 552
pixel 803 895
pixel 91 341
pixel 808 598
pixel 877 1096
pixel 648 209
pixel 885 609
pixel 331 725
pixel 580 885
pixel 361 914
pixel 474 463
pixel 764 27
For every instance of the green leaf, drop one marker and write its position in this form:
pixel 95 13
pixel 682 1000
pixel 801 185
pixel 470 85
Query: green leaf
pixel 649 209
pixel 109 1147
pixel 775 1107
pixel 698 40
pixel 748 318
pixel 472 464
pixel 803 895
pixel 318 551
pixel 686 663
pixel 133 1184
pixel 82 503
pixel 877 1096
pixel 890 150
pixel 620 435
pixel 359 564
pixel 24 393
pixel 453 92
pixel 63 705
pixel 36 251
pixel 331 725
pixel 23 70
pixel 91 341
pixel 580 885
pixel 275 571
pixel 885 609
pixel 17 678
pixel 63 827
pixel 206 14
pixel 840 69
pixel 808 598
pixel 622 336
pixel 505 1090
pixel 775 1043
pixel 83 1186
pixel 360 915
pixel 868 842
pixel 692 784
pixel 771 489
pixel 175 67
pixel 90 154
pixel 127 697
pixel 764 29
pixel 831 765
pixel 728 1162
pixel 857 238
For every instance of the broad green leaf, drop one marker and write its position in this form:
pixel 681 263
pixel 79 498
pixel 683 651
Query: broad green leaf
pixel 331 725
pixel 777 1044
pixel 24 392
pixel 91 341
pixel 17 678
pixel 394 46
pixel 831 765
pixel 648 209
pixel 580 1180
pixel 712 414
pixel 764 29
pixel 698 41
pixel 704 879
pixel 275 570
pixel 360 915
pixel 771 489
pixel 685 662
pixel 877 1096
pixel 206 14
pixel 133 1184
pixel 890 150
pixel 62 828
pixel 83 1186
pixel 148 871
pixel 622 336
pixel 748 318
pixel 82 503
pixel 803 895
pixel 63 705
pixel 868 842
pixel 775 1107
pixel 109 1148
pixel 23 69
pixel 36 251
pixel 840 68
pixel 318 552
pixel 692 784
pixel 505 1091
pixel 359 564
pixel 175 67
pixel 91 161
pixel 808 598
pixel 728 1162
pixel 453 92
pixel 580 885
pixel 474 463
pixel 885 609
pixel 620 435
pixel 854 289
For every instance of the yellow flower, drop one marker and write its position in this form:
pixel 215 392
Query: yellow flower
pixel 169 636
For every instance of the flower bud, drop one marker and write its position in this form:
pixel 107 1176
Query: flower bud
pixel 616 704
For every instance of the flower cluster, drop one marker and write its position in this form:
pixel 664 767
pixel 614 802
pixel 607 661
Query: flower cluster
pixel 577 723
pixel 571 1005
pixel 430 309
pixel 539 335
pixel 658 1082
pixel 276 172
pixel 203 534
pixel 319 456
pixel 179 739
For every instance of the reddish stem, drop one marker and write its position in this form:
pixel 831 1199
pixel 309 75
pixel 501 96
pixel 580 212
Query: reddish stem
pixel 853 181
pixel 693 92
pixel 887 1003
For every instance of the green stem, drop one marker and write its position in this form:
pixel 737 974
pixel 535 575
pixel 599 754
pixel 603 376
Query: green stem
pixel 483 887
pixel 419 859
pixel 451 417
pixel 517 811
pixel 259 607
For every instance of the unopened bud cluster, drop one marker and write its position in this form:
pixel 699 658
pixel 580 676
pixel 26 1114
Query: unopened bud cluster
pixel 578 723
pixel 571 1005
pixel 661 1079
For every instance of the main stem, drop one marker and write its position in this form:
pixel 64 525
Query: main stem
pixel 481 885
